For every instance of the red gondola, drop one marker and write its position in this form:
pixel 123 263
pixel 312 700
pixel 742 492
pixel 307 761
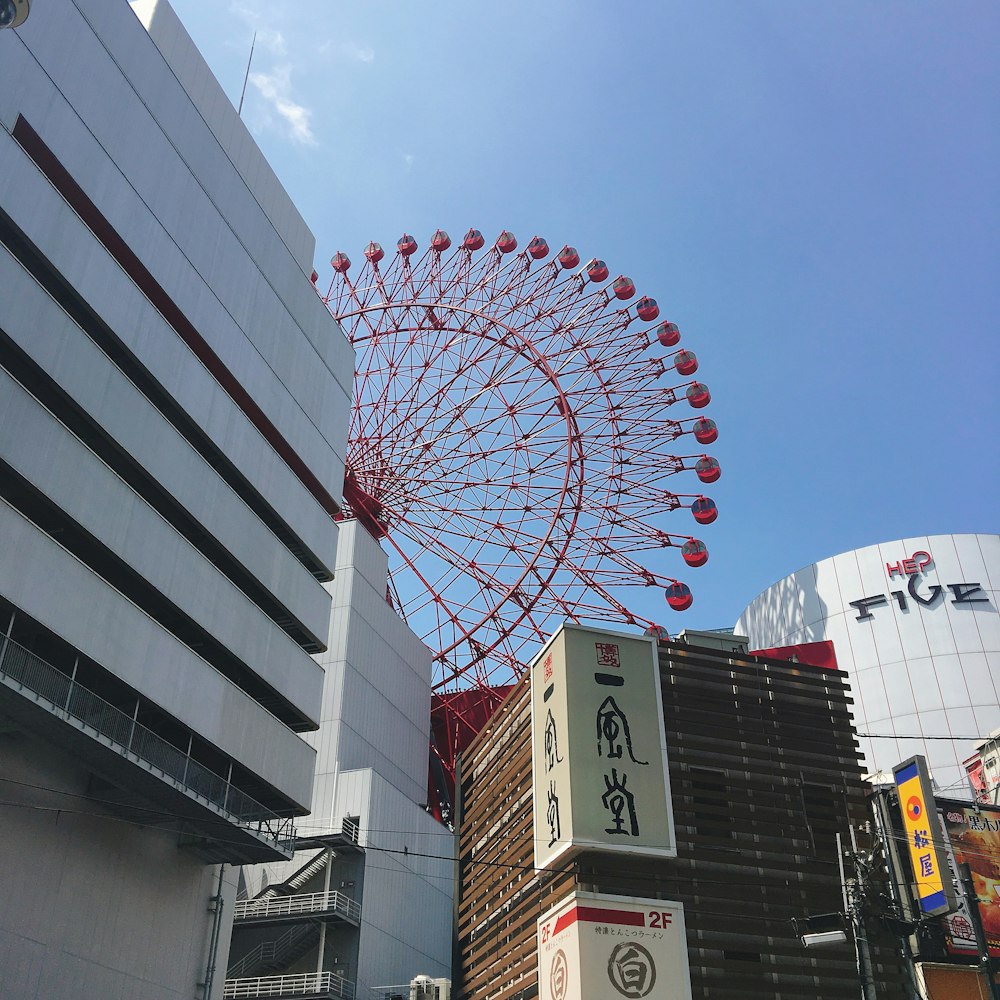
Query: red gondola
pixel 624 288
pixel 698 395
pixel 705 430
pixel 340 262
pixel 704 510
pixel 708 469
pixel 506 242
pixel 474 240
pixel 597 270
pixel 694 552
pixel 668 334
pixel 440 241
pixel 568 257
pixel 374 252
pixel 647 308
pixel 538 248
pixel 406 245
pixel 679 596
pixel 686 362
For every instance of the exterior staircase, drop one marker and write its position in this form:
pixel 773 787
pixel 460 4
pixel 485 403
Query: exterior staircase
pixel 299 879
pixel 278 954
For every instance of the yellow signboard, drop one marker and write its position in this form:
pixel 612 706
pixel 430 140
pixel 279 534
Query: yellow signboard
pixel 599 766
pixel 924 837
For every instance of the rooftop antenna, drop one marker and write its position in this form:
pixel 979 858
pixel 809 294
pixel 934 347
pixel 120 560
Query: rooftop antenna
pixel 239 110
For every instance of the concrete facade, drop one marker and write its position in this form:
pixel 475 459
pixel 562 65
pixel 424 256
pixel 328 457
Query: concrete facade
pixel 371 769
pixel 763 776
pixel 174 398
pixel 919 637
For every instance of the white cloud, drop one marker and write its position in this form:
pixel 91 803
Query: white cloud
pixel 275 87
pixel 408 159
pixel 348 50
pixel 266 38
pixel 363 53
pixel 273 41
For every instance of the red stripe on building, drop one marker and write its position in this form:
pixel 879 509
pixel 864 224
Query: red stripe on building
pixel 598 915
pixel 66 185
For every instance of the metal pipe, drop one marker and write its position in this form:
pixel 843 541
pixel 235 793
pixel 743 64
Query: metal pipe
pixel 321 951
pixel 187 759
pixel 72 681
pixel 213 947
pixel 6 638
pixel 131 732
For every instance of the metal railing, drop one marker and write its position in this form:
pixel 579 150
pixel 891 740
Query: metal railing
pixel 350 829
pixel 267 954
pixel 324 984
pixel 304 903
pixel 71 700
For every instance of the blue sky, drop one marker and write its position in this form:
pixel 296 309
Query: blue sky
pixel 809 189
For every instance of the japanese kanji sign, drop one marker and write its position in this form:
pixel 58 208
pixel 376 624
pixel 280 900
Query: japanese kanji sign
pixel 924 837
pixel 601 947
pixel 598 747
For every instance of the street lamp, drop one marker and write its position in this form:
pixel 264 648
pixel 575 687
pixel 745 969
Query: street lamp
pixel 821 930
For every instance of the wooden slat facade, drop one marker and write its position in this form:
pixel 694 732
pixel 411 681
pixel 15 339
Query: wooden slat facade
pixel 764 770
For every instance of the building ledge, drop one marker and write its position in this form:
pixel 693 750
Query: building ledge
pixel 146 775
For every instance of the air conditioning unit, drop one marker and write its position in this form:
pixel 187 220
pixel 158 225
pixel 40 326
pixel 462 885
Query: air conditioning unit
pixel 426 988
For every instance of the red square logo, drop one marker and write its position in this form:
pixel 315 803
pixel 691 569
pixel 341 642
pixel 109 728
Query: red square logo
pixel 607 655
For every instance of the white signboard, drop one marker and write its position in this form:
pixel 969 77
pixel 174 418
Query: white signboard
pixel 599 759
pixel 598 947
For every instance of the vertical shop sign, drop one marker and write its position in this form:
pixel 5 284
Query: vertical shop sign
pixel 925 838
pixel 598 748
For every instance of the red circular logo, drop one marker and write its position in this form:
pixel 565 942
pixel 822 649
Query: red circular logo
pixel 914 808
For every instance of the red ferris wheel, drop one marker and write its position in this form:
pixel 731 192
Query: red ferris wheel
pixel 509 444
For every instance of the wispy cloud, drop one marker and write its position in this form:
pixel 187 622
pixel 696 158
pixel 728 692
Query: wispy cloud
pixel 348 50
pixel 362 53
pixel 271 77
pixel 408 159
pixel 267 38
pixel 275 87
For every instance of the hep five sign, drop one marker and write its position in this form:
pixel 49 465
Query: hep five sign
pixel 600 947
pixel 918 592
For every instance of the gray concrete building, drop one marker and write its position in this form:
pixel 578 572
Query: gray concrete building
pixel 367 900
pixel 173 413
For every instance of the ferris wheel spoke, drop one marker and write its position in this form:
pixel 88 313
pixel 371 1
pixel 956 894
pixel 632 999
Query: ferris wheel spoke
pixel 509 431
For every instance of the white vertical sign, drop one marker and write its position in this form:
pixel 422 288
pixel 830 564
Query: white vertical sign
pixel 600 947
pixel 599 764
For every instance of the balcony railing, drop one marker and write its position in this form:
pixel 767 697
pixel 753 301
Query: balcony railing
pixel 64 697
pixel 320 984
pixel 350 829
pixel 300 905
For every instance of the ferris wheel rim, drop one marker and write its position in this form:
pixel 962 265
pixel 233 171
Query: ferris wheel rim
pixel 504 294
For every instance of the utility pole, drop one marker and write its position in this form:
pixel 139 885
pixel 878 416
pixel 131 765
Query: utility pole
pixel 854 896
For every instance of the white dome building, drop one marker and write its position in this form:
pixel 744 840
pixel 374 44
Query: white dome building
pixel 915 624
